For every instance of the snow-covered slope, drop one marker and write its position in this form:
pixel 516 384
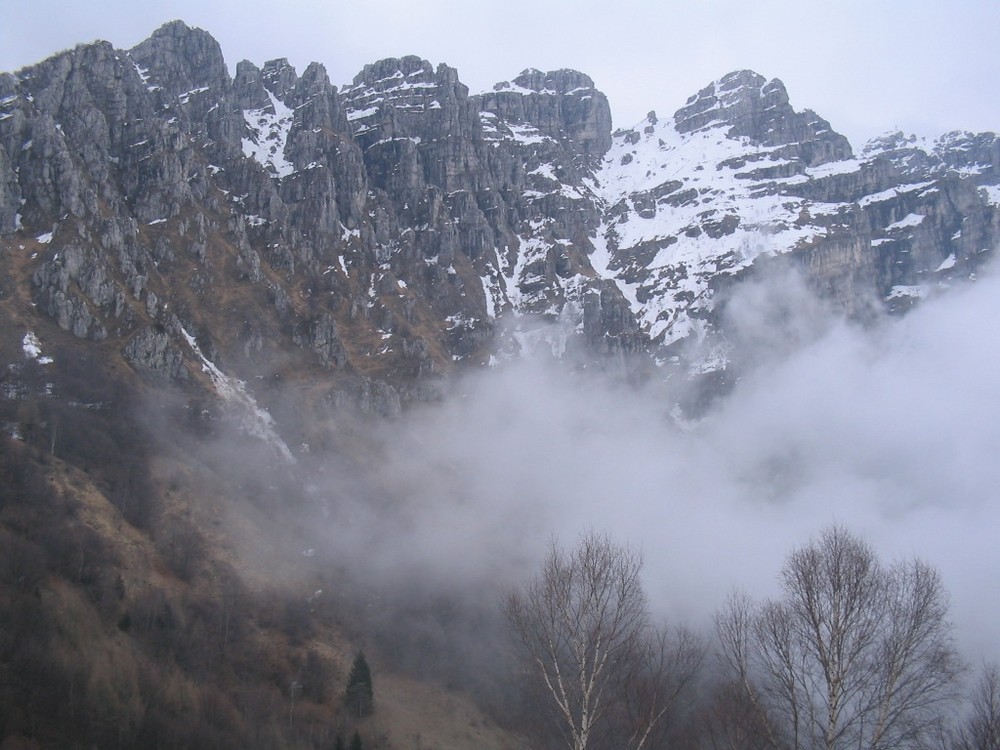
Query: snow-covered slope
pixel 681 209
pixel 738 174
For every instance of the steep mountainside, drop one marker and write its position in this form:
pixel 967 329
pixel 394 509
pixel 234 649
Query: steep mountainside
pixel 737 174
pixel 188 255
pixel 381 231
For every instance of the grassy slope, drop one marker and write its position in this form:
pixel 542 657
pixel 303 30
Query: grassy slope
pixel 149 626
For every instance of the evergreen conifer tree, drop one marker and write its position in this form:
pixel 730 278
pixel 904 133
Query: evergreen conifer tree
pixel 358 698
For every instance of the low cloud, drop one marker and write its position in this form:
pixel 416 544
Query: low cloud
pixel 890 430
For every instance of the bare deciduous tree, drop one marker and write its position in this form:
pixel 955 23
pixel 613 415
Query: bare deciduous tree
pixel 855 654
pixel 667 663
pixel 981 730
pixel 585 629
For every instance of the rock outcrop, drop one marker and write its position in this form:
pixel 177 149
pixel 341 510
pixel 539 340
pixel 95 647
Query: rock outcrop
pixel 401 227
pixel 759 110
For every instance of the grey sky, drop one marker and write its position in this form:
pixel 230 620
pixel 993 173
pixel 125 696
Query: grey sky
pixel 865 65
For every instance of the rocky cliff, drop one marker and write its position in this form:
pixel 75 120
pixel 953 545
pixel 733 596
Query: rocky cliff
pixel 398 227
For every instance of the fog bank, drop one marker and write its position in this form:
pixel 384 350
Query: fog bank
pixel 890 430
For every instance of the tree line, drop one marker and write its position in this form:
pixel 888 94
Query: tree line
pixel 854 654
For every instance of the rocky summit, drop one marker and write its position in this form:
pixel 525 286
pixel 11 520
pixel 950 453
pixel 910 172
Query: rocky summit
pixel 386 232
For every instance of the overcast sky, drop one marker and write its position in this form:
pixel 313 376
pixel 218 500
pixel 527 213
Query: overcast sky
pixel 865 65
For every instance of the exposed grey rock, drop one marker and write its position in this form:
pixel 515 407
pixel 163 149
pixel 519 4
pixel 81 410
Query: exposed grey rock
pixel 10 197
pixel 321 336
pixel 249 88
pixel 152 349
pixel 562 104
pixel 978 153
pixel 368 396
pixel 188 71
pixel 609 324
pixel 759 110
pixel 279 78
pixel 388 227
pixel 73 286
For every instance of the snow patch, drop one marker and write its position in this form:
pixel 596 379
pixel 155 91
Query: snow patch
pixel 829 169
pixel 31 346
pixel 32 349
pixel 269 129
pixel 694 214
pixel 253 419
pixel 910 220
pixel 358 114
pixel 892 193
pixel 907 292
pixel 526 135
pixel 992 193
pixel 947 263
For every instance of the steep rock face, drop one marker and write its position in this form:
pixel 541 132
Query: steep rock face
pixel 10 197
pixel 185 66
pixel 490 186
pixel 65 124
pixel 563 105
pixel 382 231
pixel 152 350
pixel 246 238
pixel 759 110
pixel 548 131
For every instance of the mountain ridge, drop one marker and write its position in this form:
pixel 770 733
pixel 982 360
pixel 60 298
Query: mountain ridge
pixel 387 227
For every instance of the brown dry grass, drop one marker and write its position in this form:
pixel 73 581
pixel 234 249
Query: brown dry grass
pixel 409 713
pixel 416 715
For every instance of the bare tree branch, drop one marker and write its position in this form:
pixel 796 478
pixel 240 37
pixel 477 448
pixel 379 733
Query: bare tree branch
pixel 981 730
pixel 585 628
pixel 854 655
